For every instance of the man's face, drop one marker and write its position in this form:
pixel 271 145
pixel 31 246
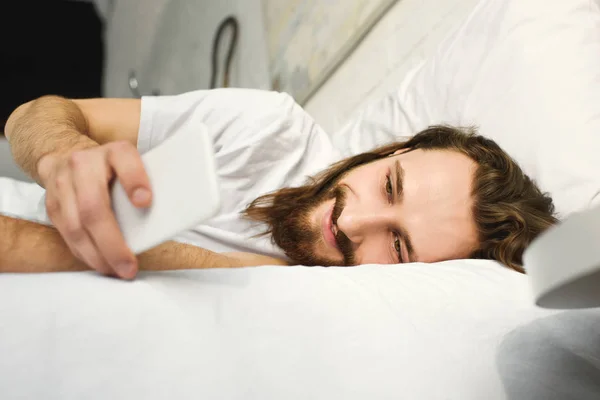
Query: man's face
pixel 413 206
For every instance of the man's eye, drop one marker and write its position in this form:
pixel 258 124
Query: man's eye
pixel 388 186
pixel 398 247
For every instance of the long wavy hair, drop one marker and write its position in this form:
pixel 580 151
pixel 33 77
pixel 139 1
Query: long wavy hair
pixel 508 208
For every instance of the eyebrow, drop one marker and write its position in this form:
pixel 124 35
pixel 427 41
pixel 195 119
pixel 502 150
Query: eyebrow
pixel 399 194
pixel 399 180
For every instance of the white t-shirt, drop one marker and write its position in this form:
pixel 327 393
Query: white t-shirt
pixel 263 141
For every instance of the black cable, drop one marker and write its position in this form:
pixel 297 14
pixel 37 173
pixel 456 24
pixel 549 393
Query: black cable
pixel 233 23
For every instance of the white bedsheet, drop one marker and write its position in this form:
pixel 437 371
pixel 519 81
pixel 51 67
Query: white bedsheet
pixel 421 332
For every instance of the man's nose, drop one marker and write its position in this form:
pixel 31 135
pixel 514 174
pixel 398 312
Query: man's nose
pixel 356 224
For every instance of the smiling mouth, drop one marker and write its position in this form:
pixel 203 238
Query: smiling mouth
pixel 330 230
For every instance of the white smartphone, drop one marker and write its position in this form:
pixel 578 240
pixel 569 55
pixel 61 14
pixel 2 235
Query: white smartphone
pixel 185 191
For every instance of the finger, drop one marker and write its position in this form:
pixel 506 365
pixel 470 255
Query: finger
pixel 127 165
pixel 88 253
pixel 62 209
pixel 96 215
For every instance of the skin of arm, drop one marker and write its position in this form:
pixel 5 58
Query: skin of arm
pixel 52 130
pixel 57 127
pixel 28 247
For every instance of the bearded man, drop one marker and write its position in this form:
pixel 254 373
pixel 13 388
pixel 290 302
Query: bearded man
pixel 446 193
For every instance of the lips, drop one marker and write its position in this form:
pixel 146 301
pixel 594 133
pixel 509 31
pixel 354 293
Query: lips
pixel 329 229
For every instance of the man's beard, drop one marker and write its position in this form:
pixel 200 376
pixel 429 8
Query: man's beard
pixel 297 235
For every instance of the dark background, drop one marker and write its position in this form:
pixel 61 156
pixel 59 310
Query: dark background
pixel 48 47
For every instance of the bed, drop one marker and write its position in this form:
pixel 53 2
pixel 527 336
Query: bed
pixel 524 71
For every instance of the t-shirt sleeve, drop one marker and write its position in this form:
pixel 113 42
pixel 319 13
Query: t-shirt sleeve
pixel 227 113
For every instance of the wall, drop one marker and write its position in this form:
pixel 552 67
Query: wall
pixel 410 31
pixel 7 166
pixel 307 39
pixel 168 43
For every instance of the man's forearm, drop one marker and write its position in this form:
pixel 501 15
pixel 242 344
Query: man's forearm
pixel 47 125
pixel 174 255
pixel 29 247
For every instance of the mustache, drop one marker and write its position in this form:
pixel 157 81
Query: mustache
pixel 343 242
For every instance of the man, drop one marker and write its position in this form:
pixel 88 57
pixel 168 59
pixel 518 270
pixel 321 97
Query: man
pixel 442 195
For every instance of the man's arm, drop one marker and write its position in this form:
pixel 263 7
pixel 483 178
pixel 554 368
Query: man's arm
pixel 59 126
pixel 75 149
pixel 29 247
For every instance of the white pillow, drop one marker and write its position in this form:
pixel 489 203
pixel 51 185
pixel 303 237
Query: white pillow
pixel 527 73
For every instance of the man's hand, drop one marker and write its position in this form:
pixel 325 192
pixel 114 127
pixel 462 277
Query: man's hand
pixel 78 202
